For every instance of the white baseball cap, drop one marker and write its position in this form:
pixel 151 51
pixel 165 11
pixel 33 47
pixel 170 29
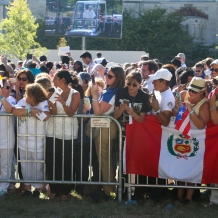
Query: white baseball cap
pixel 161 74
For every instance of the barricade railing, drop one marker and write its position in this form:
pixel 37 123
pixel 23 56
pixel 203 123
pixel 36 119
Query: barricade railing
pixel 133 181
pixel 35 139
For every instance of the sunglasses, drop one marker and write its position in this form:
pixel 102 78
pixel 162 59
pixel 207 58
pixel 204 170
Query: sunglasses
pixel 22 78
pixel 198 71
pixel 192 91
pixel 7 87
pixel 109 76
pixel 131 84
pixel 212 69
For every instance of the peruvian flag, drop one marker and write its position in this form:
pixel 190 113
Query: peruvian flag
pixel 164 152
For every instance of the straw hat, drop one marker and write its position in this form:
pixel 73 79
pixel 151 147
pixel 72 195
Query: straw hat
pixel 197 84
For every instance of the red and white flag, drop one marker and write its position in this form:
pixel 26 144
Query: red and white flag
pixel 163 152
pixel 212 93
pixel 182 121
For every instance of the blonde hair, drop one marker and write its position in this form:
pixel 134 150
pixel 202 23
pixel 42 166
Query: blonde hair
pixel 100 82
pixel 40 75
pixel 45 82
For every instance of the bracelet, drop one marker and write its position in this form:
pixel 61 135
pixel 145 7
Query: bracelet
pixel 94 100
pixel 2 98
pixel 157 112
pixel 212 108
pixel 28 110
pixel 192 112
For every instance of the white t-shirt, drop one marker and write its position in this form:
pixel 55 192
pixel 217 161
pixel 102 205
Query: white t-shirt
pixel 63 126
pixel 89 68
pixel 148 85
pixel 7 135
pixel 33 126
pixel 166 100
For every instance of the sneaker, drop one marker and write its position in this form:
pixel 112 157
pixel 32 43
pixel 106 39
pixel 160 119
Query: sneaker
pixel 26 193
pixel 36 194
pixel 3 194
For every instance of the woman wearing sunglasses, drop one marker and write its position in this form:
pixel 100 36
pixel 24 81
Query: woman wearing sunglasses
pixel 199 113
pixel 131 103
pixel 6 149
pixel 104 105
pixel 24 77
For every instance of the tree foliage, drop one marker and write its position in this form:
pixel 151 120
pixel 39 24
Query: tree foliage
pixel 19 31
pixel 155 31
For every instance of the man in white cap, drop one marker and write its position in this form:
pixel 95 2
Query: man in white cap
pixel 181 57
pixel 162 101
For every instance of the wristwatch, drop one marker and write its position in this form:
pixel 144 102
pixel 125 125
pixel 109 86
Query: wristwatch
pixel 157 112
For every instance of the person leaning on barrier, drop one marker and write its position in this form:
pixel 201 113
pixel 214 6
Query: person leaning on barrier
pixel 34 102
pixel 132 102
pixel 199 113
pixel 87 109
pixel 214 102
pixel 24 77
pixel 66 104
pixel 162 102
pixel 6 149
pixel 105 106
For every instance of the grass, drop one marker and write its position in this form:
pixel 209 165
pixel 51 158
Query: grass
pixel 17 206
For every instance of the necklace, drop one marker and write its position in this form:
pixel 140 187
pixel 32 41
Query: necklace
pixel 132 98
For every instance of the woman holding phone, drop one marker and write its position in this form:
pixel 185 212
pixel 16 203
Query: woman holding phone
pixel 199 113
pixel 131 103
pixel 104 105
pixel 67 103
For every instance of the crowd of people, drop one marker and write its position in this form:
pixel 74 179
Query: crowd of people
pixel 124 91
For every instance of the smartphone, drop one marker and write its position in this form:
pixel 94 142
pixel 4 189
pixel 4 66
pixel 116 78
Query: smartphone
pixel 178 96
pixel 51 90
pixel 87 102
pixel 29 56
pixel 209 88
pixel 153 94
pixel 126 102
pixel 58 90
pixel 93 78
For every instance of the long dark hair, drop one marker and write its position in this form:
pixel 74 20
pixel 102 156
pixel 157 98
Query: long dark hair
pixel 120 77
pixel 29 75
pixel 80 66
pixel 71 79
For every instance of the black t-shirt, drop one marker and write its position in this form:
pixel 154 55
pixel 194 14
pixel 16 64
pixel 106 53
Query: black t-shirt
pixel 140 103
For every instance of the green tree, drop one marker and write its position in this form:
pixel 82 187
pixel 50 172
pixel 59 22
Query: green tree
pixel 155 31
pixel 62 42
pixel 19 32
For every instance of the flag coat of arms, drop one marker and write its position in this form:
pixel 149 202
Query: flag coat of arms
pixel 164 152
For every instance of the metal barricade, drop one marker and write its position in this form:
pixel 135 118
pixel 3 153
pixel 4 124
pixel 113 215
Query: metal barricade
pixel 33 156
pixel 133 182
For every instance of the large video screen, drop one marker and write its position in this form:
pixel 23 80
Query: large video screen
pixel 100 18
